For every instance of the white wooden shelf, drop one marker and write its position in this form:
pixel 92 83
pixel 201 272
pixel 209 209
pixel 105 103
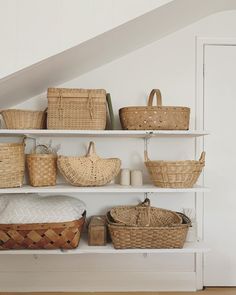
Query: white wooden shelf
pixel 110 188
pixel 197 247
pixel 105 133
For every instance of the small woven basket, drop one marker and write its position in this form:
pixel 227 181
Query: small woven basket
pixel 42 167
pixel 144 237
pixel 79 109
pixel 24 119
pixel 175 174
pixel 144 215
pixel 155 117
pixel 60 235
pixel 12 164
pixel 89 170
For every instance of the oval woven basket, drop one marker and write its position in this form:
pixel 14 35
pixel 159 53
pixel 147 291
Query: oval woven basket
pixel 89 170
pixel 155 117
pixel 144 215
pixel 42 167
pixel 12 164
pixel 175 174
pixel 144 237
pixel 24 119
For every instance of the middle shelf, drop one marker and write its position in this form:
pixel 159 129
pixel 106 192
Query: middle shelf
pixel 110 188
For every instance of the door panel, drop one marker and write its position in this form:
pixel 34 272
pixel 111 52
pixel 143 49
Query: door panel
pixel 220 172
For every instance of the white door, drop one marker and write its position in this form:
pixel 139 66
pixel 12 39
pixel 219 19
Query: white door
pixel 220 172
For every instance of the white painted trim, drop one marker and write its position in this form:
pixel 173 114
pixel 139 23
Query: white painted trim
pixel 201 44
pixel 121 281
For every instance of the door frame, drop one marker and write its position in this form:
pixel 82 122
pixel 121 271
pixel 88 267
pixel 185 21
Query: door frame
pixel 200 58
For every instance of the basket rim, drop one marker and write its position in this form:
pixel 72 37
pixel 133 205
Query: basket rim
pixel 145 108
pixel 22 111
pixel 34 226
pixel 181 162
pixel 2 144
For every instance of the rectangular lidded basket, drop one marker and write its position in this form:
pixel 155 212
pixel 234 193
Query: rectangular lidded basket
pixel 145 237
pixel 76 109
pixel 12 164
pixel 63 235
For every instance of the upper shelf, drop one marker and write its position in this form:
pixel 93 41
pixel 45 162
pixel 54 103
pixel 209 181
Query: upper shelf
pixel 105 133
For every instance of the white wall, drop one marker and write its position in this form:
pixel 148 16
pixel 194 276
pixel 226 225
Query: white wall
pixel 32 30
pixel 168 64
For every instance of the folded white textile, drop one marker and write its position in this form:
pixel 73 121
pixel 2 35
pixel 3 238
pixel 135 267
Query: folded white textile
pixel 33 208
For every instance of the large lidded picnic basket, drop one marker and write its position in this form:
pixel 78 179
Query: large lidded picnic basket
pixel 175 174
pixel 88 170
pixel 155 117
pixel 129 227
pixel 79 109
pixel 12 164
pixel 24 119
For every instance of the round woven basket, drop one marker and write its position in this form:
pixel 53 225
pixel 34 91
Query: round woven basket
pixel 24 119
pixel 12 164
pixel 175 174
pixel 144 215
pixel 155 117
pixel 89 170
pixel 42 167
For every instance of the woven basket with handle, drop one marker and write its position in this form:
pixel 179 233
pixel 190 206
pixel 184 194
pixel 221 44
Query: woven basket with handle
pixel 60 235
pixel 144 215
pixel 144 237
pixel 155 117
pixel 79 109
pixel 89 170
pixel 12 164
pixel 175 174
pixel 42 167
pixel 24 119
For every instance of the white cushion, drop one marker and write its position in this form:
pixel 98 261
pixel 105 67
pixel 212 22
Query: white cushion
pixel 32 208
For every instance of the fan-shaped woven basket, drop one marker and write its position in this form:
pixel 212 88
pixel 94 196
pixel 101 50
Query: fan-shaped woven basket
pixel 144 215
pixel 175 174
pixel 89 170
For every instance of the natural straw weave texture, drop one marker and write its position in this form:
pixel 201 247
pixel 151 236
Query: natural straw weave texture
pixel 175 174
pixel 63 235
pixel 79 109
pixel 42 167
pixel 144 215
pixel 12 164
pixel 155 117
pixel 24 119
pixel 89 170
pixel 144 237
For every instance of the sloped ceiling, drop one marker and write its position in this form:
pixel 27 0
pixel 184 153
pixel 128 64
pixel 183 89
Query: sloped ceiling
pixel 104 48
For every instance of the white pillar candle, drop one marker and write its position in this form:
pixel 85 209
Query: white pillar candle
pixel 125 177
pixel 136 178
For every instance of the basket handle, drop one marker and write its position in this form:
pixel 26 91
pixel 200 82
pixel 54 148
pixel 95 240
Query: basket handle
pixel 146 204
pixel 202 157
pixel 156 92
pixel 41 145
pixel 91 149
pixel 146 159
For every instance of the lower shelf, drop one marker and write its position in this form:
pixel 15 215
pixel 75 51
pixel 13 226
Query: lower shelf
pixel 110 188
pixel 197 247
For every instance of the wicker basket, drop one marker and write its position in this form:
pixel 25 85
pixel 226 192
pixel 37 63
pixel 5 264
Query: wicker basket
pixel 144 215
pixel 61 235
pixel 144 237
pixel 24 119
pixel 79 109
pixel 175 174
pixel 12 164
pixel 42 167
pixel 155 117
pixel 89 170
